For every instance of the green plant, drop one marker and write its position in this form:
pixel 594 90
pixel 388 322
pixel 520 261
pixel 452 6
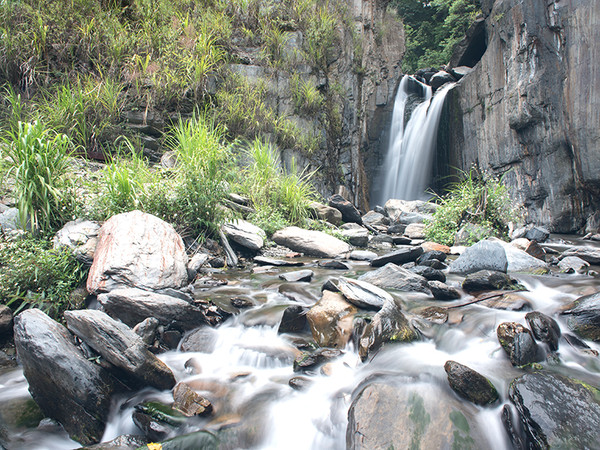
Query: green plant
pixel 307 99
pixel 321 36
pixel 36 275
pixel 477 199
pixel 39 163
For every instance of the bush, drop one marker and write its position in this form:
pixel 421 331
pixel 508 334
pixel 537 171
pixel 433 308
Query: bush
pixel 477 199
pixel 39 160
pixel 32 274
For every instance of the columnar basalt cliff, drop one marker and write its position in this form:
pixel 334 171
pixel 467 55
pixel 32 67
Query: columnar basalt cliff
pixel 530 108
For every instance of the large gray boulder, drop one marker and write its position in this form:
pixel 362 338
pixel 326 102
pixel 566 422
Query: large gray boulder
pixel 583 316
pixel 485 255
pixel 392 276
pixel 120 346
pixel 245 234
pixel 309 242
pixel 413 415
pixel 363 294
pixel 132 306
pixel 589 254
pixel 66 385
pixel 136 249
pixel 81 236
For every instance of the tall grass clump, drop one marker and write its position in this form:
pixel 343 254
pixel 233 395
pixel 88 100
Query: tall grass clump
pixel 307 98
pixel 38 160
pixel 477 199
pixel 280 197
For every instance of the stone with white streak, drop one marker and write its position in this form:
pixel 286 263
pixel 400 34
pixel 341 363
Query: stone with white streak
pixel 245 234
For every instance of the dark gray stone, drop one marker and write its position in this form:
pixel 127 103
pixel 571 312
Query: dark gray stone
pixel 348 210
pixel 544 328
pixel 429 273
pixel 6 320
pixel 489 280
pixel 298 275
pixel 201 340
pixel 391 276
pixel 485 255
pixel 294 319
pixel 363 294
pixel 470 384
pixel 518 343
pixel 583 316
pixel 400 256
pixel 538 234
pixel 442 291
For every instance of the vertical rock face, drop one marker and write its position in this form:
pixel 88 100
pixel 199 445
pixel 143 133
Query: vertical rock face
pixel 530 109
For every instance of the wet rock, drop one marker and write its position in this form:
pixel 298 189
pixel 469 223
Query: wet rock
pixel 395 208
pixel 241 302
pixel 138 250
pixel 577 343
pixel 518 343
pixel 388 325
pixel 536 250
pixel 544 328
pixel 419 416
pixel 201 340
pixel 132 306
pixel 439 79
pixel 470 384
pixel 431 255
pixel 583 316
pixel 297 293
pixel 538 234
pixel 391 276
pixel 441 291
pixel 330 320
pixel 156 420
pixel 415 231
pixel 485 255
pixel 81 236
pixel 508 302
pixel 277 262
pixel 429 273
pixel 382 241
pixel 120 346
pixel 363 294
pixel 326 213
pixel 245 234
pixel 362 255
pixel 356 235
pixel 375 219
pixel 147 330
pixel 588 254
pixel 313 243
pixel 189 402
pixel 6 321
pixel 333 264
pixel 310 361
pixel 65 385
pixel 489 280
pixel 400 256
pixel 123 442
pixel 348 210
pixel 330 285
pixel 520 261
pixel 434 314
pixel 572 264
pixel 397 228
pixel 293 320
pixel 556 411
pixel 298 275
pixel 300 383
pixel 204 440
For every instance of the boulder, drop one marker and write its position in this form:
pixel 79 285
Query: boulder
pixel 363 294
pixel 245 234
pixel 485 255
pixel 470 384
pixel 362 255
pixel 400 256
pixel 66 385
pixel 518 343
pixel 375 219
pixel 395 208
pixel 406 218
pixel 520 261
pixel 201 340
pixel 333 264
pixel 148 330
pixel 588 254
pixel 121 347
pixel 429 273
pixel 326 213
pixel 309 361
pixel 538 234
pixel 330 320
pixel 431 255
pixel 489 280
pixel 544 328
pixel 435 247
pixel 439 79
pixel 197 261
pixel 415 416
pixel 6 321
pixel 294 319
pixel 297 275
pixel 313 243
pixel 388 325
pixel 572 264
pixel 189 402
pixel 441 291
pixel 136 249
pixel 583 316
pixel 415 231
pixel 355 234
pixel 9 220
pixel 131 306
pixel 391 276
pixel 81 236
pixel 556 411
pixel 348 210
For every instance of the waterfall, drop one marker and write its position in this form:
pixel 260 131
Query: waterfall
pixel 411 147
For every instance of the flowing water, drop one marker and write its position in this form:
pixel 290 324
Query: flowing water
pixel 246 372
pixel 412 144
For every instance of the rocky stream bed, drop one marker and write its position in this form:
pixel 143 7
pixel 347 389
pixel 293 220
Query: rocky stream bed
pixel 386 342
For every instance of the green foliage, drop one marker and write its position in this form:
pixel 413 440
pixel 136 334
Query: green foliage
pixel 433 28
pixel 39 163
pixel 477 199
pixel 307 99
pixel 35 275
pixel 321 36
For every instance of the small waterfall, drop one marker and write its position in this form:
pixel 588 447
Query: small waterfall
pixel 412 146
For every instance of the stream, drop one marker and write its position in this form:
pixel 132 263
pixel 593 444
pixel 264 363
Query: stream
pixel 246 364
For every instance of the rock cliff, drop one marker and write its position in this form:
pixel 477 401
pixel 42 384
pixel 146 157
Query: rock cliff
pixel 530 109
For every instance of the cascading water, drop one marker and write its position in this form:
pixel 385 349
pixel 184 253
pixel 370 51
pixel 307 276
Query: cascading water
pixel 412 146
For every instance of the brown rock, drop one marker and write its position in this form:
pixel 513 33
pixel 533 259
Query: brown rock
pixel 190 402
pixel 330 320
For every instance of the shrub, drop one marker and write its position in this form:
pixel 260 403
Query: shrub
pixel 477 199
pixel 39 162
pixel 35 275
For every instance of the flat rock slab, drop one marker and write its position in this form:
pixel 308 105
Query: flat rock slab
pixel 362 294
pixel 277 262
pixel 485 255
pixel 136 249
pixel 66 386
pixel 400 256
pixel 309 242
pixel 391 276
pixel 298 275
pixel 120 346
pixel 245 234
pixel 588 254
pixel 131 306
pixel 362 255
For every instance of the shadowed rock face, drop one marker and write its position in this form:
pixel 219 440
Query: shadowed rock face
pixel 530 108
pixel 66 386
